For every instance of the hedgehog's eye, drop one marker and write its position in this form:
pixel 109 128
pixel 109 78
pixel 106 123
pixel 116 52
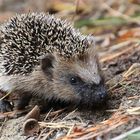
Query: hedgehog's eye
pixel 74 80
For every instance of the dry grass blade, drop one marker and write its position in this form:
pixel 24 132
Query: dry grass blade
pixel 133 111
pixel 135 67
pixel 57 125
pixel 47 136
pixel 69 114
pixel 7 115
pixel 114 55
pixel 40 135
pixel 5 96
pixel 104 127
pixel 48 114
pixel 133 97
pixel 70 130
pixel 56 112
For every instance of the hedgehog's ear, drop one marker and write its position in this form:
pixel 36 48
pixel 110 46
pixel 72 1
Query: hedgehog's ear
pixel 92 50
pixel 47 63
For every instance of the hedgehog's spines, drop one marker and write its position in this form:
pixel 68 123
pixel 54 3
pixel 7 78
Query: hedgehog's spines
pixel 26 37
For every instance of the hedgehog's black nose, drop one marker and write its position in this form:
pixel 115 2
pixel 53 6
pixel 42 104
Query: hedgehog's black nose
pixel 103 95
pixel 101 92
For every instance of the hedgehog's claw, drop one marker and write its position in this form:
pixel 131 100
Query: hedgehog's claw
pixel 5 106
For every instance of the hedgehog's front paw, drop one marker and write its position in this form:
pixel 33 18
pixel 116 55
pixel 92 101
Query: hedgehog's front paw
pixel 5 106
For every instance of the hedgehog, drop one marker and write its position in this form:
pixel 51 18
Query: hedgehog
pixel 45 57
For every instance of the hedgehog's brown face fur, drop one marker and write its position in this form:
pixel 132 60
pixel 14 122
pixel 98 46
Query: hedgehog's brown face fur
pixel 77 80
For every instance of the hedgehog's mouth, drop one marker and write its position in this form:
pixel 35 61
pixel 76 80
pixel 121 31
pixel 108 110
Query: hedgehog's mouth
pixel 91 104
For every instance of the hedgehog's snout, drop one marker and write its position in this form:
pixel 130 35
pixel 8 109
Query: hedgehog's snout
pixel 93 95
pixel 101 94
pixel 97 94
